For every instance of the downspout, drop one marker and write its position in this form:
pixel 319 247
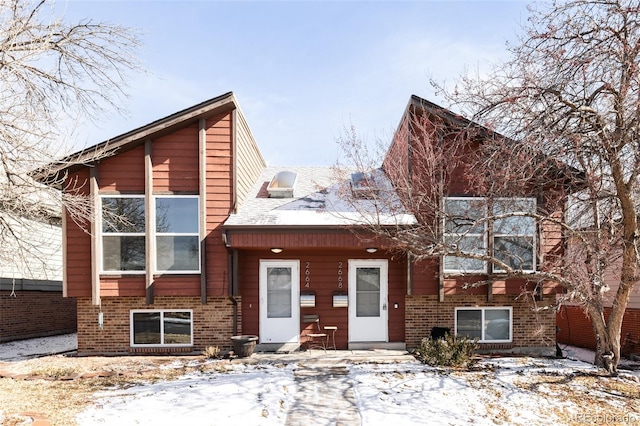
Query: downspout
pixel 232 267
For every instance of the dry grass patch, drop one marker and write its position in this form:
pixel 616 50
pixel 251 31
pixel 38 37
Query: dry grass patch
pixel 62 400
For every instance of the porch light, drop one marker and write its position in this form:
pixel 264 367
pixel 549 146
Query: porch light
pixel 276 250
pixel 372 249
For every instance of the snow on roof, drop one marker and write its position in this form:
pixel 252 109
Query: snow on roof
pixel 316 201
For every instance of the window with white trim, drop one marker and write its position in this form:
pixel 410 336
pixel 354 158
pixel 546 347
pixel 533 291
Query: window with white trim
pixel 123 233
pixel 514 231
pixel 465 229
pixel 161 328
pixel 176 234
pixel 467 223
pixel 488 324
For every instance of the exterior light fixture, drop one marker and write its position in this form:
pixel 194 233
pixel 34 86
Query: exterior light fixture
pixel 371 249
pixel 276 250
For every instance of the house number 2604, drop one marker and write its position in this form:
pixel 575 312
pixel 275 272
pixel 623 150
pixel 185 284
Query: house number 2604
pixel 307 279
pixel 339 274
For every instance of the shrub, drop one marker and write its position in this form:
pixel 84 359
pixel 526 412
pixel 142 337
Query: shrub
pixel 451 351
pixel 211 352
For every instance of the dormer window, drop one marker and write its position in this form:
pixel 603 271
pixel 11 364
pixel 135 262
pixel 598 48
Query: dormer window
pixel 363 186
pixel 282 185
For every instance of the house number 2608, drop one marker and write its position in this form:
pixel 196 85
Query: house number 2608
pixel 307 279
pixel 339 274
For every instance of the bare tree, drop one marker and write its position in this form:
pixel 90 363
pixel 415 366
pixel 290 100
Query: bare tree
pixel 571 90
pixel 51 74
pixel 568 102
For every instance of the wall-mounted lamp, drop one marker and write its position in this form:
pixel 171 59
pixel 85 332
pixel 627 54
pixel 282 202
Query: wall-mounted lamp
pixel 371 249
pixel 276 250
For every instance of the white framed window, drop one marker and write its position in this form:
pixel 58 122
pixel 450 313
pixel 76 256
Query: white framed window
pixel 465 228
pixel 176 234
pixel 488 324
pixel 505 225
pixel 161 327
pixel 123 233
pixel 514 230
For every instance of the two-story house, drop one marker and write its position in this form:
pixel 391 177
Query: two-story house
pixel 195 240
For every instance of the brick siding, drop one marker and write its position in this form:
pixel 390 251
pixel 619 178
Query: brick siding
pixel 533 332
pixel 213 324
pixel 35 314
pixel 576 330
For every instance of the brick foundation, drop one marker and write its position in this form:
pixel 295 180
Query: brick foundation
pixel 35 314
pixel 213 324
pixel 533 332
pixel 576 329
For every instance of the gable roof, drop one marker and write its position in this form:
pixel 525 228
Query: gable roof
pixel 136 137
pixel 316 202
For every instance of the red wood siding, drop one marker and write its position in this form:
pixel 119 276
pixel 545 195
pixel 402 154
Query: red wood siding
pixel 299 239
pixel 219 199
pixel 78 244
pixel 175 161
pixel 123 172
pixel 323 275
pixel 175 170
pixel 122 286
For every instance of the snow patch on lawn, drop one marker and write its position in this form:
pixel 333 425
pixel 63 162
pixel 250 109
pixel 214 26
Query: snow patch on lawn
pixel 246 394
pixel 24 349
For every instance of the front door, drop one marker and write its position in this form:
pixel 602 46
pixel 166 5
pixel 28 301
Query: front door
pixel 368 312
pixel 279 305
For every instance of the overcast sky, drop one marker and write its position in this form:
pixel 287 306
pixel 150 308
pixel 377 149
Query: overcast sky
pixel 301 70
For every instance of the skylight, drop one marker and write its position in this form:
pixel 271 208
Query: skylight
pixel 282 184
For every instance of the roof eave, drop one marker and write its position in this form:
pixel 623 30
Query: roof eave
pixel 134 138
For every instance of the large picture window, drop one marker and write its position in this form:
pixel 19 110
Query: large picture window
pixel 489 325
pixel 504 225
pixel 176 234
pixel 161 328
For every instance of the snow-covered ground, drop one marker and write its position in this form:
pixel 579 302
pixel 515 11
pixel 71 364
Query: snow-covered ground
pixel 24 349
pixel 507 391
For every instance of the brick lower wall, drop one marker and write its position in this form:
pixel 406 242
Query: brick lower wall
pixel 35 314
pixel 575 329
pixel 533 332
pixel 213 324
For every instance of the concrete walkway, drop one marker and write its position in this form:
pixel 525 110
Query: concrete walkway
pixel 325 393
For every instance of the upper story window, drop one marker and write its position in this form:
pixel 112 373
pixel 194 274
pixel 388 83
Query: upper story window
pixel 176 234
pixel 505 226
pixel 123 233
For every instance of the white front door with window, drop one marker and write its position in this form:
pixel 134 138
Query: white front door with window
pixel 368 307
pixel 279 301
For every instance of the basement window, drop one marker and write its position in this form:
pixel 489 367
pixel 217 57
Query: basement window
pixel 161 328
pixel 488 325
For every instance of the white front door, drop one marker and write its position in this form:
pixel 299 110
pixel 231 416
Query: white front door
pixel 368 313
pixel 279 301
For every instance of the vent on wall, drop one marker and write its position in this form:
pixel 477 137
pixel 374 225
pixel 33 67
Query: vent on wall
pixel 282 184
